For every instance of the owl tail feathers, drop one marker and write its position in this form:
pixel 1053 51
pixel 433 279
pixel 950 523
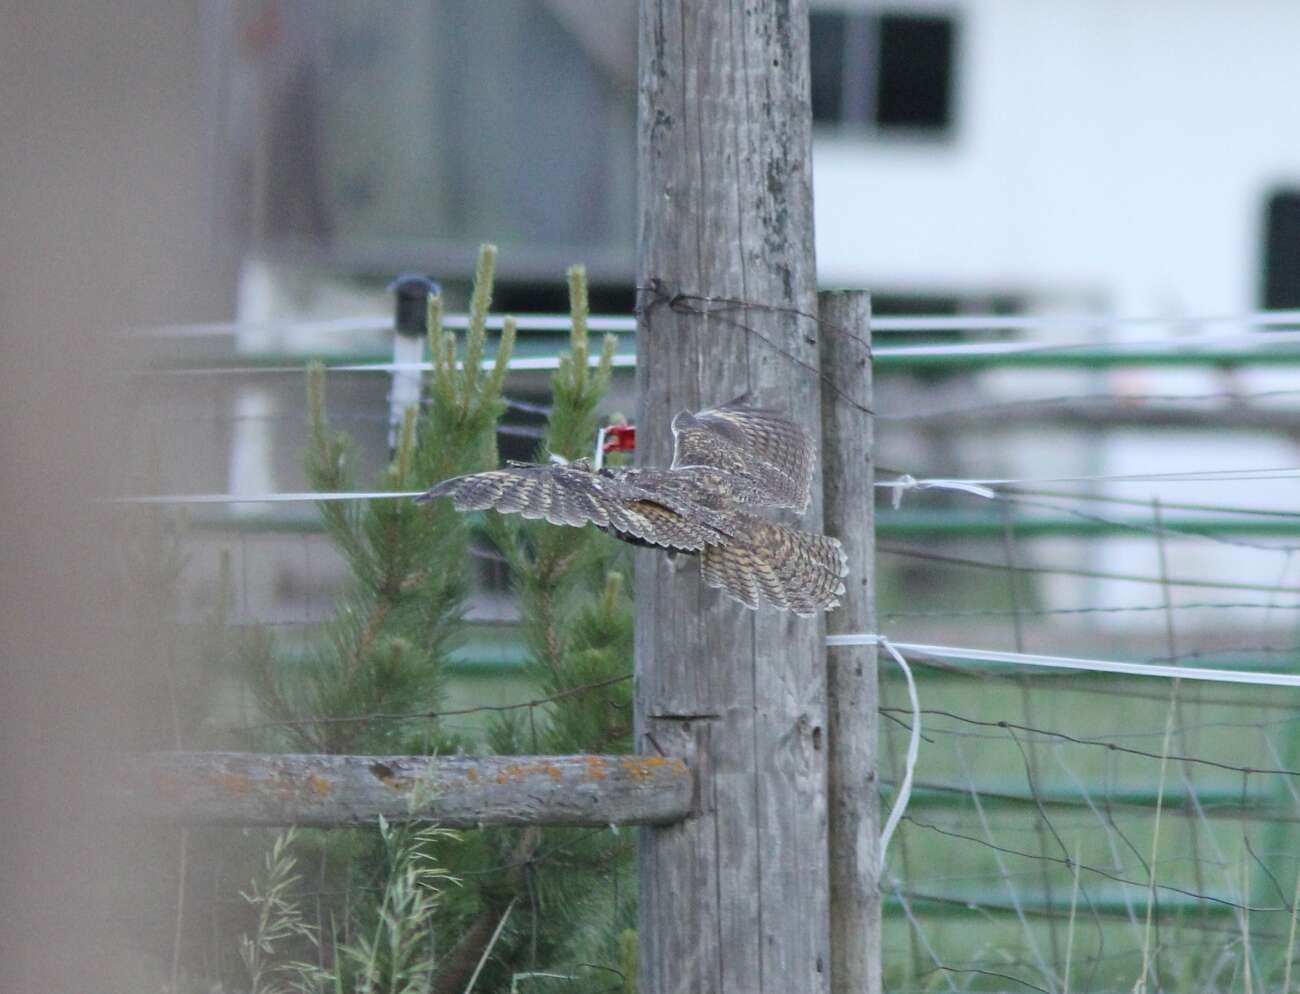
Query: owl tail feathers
pixel 789 569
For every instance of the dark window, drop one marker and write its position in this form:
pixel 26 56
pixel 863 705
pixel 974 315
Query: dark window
pixel 826 42
pixel 521 297
pixel 883 71
pixel 915 89
pixel 1282 251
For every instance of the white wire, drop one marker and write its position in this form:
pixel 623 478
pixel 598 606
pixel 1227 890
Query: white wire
pixel 980 486
pixel 913 751
pixel 528 362
pixel 993 322
pixel 619 323
pixel 1173 345
pixel 285 498
pixel 335 326
pixel 904 483
pixel 522 364
pixel 1162 670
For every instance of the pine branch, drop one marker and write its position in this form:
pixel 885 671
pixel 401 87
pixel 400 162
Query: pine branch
pixel 577 622
pixel 327 470
pixel 384 649
pixel 476 333
pixel 578 312
pixel 458 965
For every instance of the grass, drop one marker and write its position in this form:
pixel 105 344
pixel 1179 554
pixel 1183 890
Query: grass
pixel 393 948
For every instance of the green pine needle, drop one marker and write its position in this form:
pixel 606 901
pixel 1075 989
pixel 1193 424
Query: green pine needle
pixel 476 334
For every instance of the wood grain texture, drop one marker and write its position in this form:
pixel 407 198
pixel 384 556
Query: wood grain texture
pixel 849 489
pixel 735 898
pixel 462 792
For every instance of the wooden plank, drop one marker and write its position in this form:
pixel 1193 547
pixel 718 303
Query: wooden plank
pixel 851 689
pixel 735 899
pixel 462 792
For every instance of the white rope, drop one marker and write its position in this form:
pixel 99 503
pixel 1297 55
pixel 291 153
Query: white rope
pixel 981 486
pixel 913 743
pixel 1163 670
pixel 908 482
pixel 913 751
pixel 895 649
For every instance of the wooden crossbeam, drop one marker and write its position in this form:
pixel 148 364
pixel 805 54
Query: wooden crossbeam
pixel 206 788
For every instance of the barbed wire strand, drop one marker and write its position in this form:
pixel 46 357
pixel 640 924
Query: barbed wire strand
pixel 1095 743
pixel 924 555
pixel 430 715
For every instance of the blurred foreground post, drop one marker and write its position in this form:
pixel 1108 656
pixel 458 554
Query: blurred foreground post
pixel 849 489
pixel 736 897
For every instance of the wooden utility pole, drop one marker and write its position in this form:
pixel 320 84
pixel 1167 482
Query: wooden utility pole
pixel 847 447
pixel 735 898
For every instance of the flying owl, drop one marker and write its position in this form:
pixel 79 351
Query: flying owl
pixel 725 460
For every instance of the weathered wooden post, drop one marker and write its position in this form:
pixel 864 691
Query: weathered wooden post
pixel 735 898
pixel 849 489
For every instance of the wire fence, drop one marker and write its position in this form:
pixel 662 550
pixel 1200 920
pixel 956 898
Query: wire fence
pixel 1069 828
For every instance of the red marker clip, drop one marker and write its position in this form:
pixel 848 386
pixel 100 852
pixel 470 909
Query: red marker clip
pixel 620 438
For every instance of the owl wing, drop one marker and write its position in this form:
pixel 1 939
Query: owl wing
pixel 574 496
pixel 774 455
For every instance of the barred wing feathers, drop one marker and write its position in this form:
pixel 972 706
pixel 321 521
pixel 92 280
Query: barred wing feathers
pixel 772 454
pixel 787 568
pixel 572 496
pixel 723 459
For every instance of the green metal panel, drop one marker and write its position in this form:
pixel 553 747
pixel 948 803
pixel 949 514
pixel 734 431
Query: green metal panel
pixel 543 344
pixel 1218 803
pixel 958 524
pixel 890 524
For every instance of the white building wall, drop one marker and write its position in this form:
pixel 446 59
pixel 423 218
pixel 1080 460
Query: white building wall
pixel 1106 156
pixel 1121 151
